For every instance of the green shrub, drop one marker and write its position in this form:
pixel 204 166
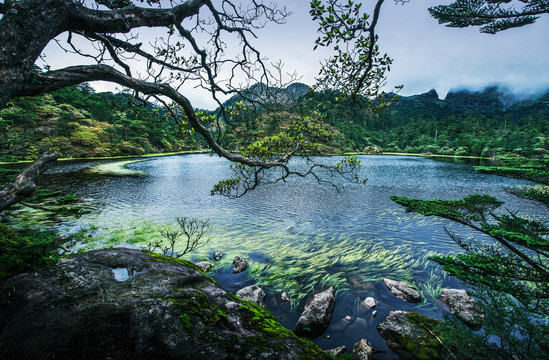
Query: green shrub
pixel 24 252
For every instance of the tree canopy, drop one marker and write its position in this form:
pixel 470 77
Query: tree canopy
pixel 491 15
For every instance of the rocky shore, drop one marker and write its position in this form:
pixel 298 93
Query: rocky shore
pixel 131 304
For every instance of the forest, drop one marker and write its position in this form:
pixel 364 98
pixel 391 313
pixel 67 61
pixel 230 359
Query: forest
pixel 77 122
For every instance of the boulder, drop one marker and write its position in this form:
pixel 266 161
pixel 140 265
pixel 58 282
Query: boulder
pixel 403 290
pixel 240 264
pixel 336 351
pixel 253 294
pixel 76 309
pixel 217 256
pixel 363 350
pixel 317 315
pixel 464 307
pixel 407 336
pixel 205 266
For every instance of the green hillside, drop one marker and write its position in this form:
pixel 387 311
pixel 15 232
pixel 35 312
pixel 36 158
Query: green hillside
pixel 77 122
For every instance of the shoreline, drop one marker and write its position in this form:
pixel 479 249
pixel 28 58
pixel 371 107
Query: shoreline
pixel 205 151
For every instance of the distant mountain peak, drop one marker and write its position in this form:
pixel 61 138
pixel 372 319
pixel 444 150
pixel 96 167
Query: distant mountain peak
pixel 432 94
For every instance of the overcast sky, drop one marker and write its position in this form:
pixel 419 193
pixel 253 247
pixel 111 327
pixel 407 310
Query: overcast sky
pixel 426 55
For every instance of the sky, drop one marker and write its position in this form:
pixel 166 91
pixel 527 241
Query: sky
pixel 426 55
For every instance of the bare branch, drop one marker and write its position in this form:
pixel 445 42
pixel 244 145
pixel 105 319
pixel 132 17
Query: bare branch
pixel 125 19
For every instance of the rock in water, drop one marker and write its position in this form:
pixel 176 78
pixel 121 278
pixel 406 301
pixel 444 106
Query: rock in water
pixel 252 293
pixel 205 266
pixel 363 350
pixel 317 315
pixel 336 351
pixel 76 309
pixel 403 291
pixel 370 302
pixel 284 297
pixel 406 335
pixel 240 264
pixel 217 256
pixel 464 307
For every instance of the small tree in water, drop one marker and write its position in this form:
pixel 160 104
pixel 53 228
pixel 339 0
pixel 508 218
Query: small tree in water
pixel 193 231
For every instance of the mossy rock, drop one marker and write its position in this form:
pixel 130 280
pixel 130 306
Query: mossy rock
pixel 162 308
pixel 410 335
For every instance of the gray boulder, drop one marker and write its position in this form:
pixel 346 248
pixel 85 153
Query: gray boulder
pixel 240 264
pixel 205 266
pixel 363 350
pixel 464 307
pixel 253 294
pixel 403 290
pixel 336 351
pixel 317 315
pixel 77 309
pixel 407 336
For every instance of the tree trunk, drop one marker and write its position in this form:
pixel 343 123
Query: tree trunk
pixel 23 186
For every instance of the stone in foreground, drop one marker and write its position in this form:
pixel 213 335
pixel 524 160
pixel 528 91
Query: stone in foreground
pixel 406 335
pixel 240 264
pixel 253 294
pixel 317 315
pixel 76 309
pixel 403 291
pixel 464 307
pixel 363 350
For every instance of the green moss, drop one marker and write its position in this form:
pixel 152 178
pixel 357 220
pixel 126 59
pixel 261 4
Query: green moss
pixel 425 348
pixel 260 319
pixel 187 323
pixel 194 303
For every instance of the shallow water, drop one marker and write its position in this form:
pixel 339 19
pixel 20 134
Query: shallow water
pixel 300 236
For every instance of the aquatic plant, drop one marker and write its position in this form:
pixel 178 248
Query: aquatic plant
pixel 193 231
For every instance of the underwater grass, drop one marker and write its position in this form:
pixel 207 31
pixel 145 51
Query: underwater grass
pixel 116 168
pixel 294 262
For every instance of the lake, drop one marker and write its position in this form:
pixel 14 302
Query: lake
pixel 300 236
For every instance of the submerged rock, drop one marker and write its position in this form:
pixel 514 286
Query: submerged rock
pixel 407 336
pixel 240 264
pixel 218 256
pixel 317 315
pixel 363 350
pixel 253 294
pixel 464 307
pixel 370 302
pixel 403 291
pixel 76 309
pixel 205 266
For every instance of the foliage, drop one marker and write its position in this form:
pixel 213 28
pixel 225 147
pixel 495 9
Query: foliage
pixel 193 231
pixel 357 68
pixel 491 15
pixel 26 251
pixel 520 168
pixel 77 122
pixel 510 274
